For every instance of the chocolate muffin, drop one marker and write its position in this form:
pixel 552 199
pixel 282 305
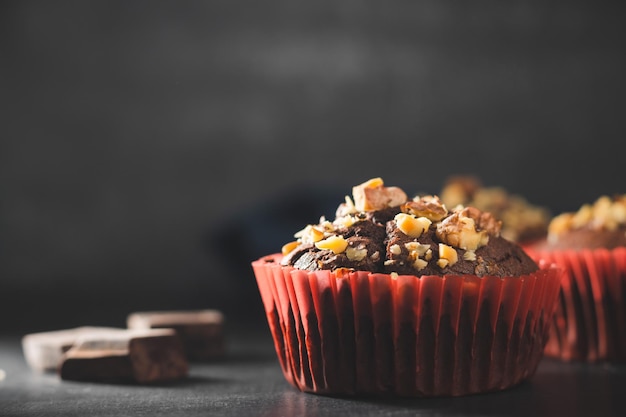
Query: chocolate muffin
pixel 400 296
pixel 590 245
pixel 598 225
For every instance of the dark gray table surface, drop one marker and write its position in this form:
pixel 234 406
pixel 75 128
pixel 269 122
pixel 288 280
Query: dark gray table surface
pixel 248 382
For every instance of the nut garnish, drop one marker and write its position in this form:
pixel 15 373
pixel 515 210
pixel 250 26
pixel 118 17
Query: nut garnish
pixel 469 255
pixel 373 195
pixel 416 247
pixel 420 264
pixel 395 249
pixel 335 243
pixel 346 221
pixel 447 256
pixel 410 225
pixel 427 206
pixel 605 213
pixel 468 228
pixel 288 247
pixel 346 208
pixel 356 254
pixel 310 234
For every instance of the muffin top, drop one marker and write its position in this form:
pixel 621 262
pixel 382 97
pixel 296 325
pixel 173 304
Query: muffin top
pixel 598 225
pixel 521 221
pixel 381 230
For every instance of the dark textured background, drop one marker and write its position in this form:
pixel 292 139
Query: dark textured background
pixel 149 150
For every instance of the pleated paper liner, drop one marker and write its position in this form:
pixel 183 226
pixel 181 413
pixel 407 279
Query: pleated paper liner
pixel 363 333
pixel 590 320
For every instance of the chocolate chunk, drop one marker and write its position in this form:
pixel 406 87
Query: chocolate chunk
pixel 201 331
pixel 140 356
pixel 43 350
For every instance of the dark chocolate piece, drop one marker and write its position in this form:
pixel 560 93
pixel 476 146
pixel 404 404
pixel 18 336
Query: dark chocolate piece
pixel 140 356
pixel 43 351
pixel 201 331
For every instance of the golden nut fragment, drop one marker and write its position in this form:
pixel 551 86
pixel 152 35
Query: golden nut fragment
pixel 469 255
pixel 310 234
pixel 335 243
pixel 468 229
pixel 356 254
pixel 447 256
pixel 420 264
pixel 373 195
pixel 417 248
pixel 395 249
pixel 427 206
pixel 288 247
pixel 412 226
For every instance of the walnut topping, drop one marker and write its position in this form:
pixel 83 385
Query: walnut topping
pixel 447 256
pixel 356 254
pixel 468 229
pixel 310 234
pixel 427 206
pixel 410 225
pixel 335 243
pixel 604 214
pixel 395 249
pixel 373 195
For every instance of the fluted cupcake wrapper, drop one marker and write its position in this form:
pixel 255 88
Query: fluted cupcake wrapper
pixel 590 320
pixel 365 333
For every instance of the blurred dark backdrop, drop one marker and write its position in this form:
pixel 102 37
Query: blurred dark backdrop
pixel 150 150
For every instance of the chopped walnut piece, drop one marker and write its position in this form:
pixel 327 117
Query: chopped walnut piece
pixel 468 228
pixel 427 206
pixel 373 195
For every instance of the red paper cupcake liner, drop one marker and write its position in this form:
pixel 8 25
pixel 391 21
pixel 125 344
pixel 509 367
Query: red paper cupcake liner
pixel 590 320
pixel 365 333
